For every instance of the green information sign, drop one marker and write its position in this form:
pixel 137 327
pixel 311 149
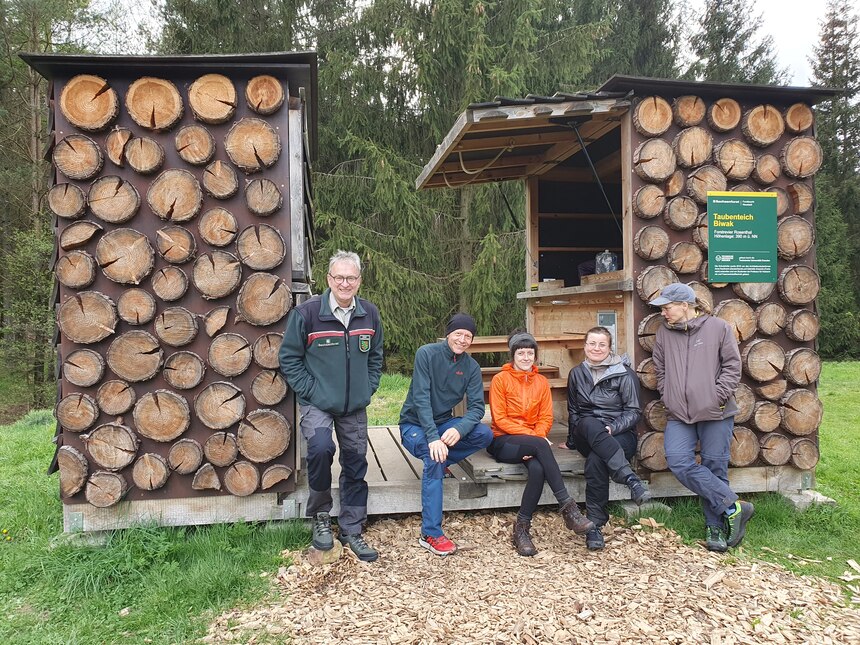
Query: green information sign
pixel 741 237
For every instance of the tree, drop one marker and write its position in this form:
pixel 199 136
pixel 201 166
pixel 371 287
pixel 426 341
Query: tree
pixel 26 326
pixel 727 46
pixel 643 39
pixel 836 64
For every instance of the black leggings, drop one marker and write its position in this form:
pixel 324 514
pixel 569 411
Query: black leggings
pixel 542 467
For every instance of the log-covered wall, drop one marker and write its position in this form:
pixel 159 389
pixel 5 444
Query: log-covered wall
pixel 684 146
pixel 174 211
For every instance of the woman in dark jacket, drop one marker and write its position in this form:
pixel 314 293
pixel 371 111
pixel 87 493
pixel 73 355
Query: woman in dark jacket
pixel 603 410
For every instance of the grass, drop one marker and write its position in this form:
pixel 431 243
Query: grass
pixel 821 539
pixel 163 585
pixel 158 585
pixel 384 409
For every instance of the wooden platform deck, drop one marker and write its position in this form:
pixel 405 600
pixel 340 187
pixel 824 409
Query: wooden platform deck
pixel 394 480
pixel 480 482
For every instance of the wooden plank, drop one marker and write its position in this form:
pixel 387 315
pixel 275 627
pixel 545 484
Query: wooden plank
pixel 590 132
pixel 506 160
pixel 547 370
pixel 626 330
pixel 600 278
pixel 486 344
pixel 521 141
pixel 187 511
pixel 296 191
pixel 389 455
pixel 442 150
pixel 577 249
pixel 618 285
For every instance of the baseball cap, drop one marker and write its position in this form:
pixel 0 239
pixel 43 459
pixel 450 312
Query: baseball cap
pixel 675 292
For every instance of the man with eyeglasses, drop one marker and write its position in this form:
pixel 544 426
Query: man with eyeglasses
pixel 442 375
pixel 332 358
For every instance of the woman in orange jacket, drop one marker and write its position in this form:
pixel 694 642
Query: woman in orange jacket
pixel 521 406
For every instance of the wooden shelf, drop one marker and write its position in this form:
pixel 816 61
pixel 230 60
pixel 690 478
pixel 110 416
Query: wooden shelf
pixel 487 344
pixel 616 287
pixel 578 249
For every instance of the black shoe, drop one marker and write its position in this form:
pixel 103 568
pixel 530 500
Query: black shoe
pixel 736 522
pixel 322 537
pixel 715 539
pixel 594 540
pixel 638 493
pixel 362 549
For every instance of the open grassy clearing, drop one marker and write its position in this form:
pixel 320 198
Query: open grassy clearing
pixel 166 584
pixel 161 584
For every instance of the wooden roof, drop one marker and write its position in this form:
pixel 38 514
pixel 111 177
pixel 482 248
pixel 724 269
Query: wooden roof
pixel 515 138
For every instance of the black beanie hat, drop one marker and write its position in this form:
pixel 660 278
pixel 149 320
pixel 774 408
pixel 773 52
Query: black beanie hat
pixel 461 321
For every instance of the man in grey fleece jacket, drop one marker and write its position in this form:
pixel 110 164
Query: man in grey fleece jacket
pixel 698 369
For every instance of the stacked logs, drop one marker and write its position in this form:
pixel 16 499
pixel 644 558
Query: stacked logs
pixel 171 289
pixel 687 148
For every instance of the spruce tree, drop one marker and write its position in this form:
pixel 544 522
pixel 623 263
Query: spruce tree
pixel 643 40
pixel 836 64
pixel 728 47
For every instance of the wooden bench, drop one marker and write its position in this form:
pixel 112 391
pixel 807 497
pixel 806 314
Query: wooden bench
pixel 481 467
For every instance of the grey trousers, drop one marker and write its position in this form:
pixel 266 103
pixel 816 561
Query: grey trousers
pixel 710 479
pixel 351 431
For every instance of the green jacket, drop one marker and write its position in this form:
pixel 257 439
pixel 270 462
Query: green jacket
pixel 439 381
pixel 333 368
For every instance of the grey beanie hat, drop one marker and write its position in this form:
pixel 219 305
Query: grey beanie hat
pixel 519 338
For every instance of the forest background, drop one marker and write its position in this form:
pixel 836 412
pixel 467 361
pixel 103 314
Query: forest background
pixel 393 76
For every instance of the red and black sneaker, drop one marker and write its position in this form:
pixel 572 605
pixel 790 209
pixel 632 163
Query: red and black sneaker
pixel 438 545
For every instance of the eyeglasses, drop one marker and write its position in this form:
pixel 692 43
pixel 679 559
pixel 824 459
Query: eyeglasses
pixel 593 345
pixel 349 279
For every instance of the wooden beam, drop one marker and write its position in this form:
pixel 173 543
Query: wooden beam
pixel 578 249
pixel 521 141
pixel 506 160
pixel 459 179
pixel 454 135
pixel 590 132
pixel 575 216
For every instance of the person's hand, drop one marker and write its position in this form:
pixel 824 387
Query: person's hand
pixel 608 429
pixel 562 446
pixel 450 437
pixel 438 451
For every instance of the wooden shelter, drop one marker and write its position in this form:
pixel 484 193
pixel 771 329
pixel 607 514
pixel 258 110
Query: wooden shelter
pixel 183 217
pixel 627 170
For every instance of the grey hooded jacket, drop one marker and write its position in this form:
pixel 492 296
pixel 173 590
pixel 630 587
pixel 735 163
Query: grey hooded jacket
pixel 698 369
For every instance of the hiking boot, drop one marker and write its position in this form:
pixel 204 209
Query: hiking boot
pixel 715 539
pixel 573 519
pixel 438 545
pixel 522 540
pixel 322 537
pixel 638 493
pixel 357 545
pixel 736 522
pixel 594 540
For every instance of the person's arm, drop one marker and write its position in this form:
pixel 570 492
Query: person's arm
pixel 730 367
pixel 291 356
pixel 474 402
pixel 499 408
pixel 421 384
pixel 657 357
pixel 545 417
pixel 573 412
pixel 628 389
pixel 374 359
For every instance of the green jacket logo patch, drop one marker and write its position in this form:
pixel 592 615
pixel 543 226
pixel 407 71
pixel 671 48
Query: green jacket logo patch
pixel 364 343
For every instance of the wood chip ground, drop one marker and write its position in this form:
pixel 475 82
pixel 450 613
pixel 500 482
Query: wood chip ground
pixel 645 587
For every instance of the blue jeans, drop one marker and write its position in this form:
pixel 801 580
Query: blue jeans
pixel 415 441
pixel 710 479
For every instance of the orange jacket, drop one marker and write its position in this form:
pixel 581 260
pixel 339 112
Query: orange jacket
pixel 520 402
